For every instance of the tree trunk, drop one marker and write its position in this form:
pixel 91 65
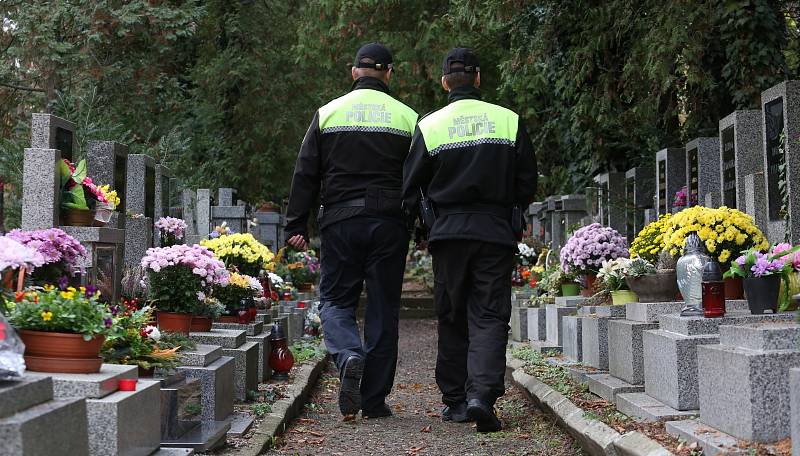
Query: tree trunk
pixel 2 207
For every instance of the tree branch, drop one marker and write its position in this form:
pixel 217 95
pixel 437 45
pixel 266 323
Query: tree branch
pixel 18 87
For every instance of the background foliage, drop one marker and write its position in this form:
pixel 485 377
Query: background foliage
pixel 223 91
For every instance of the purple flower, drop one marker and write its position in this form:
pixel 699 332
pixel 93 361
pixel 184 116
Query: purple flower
pixel 171 225
pixel 90 291
pixel 53 244
pixel 592 245
pixel 108 322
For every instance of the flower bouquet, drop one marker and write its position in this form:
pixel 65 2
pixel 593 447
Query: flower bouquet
pixel 762 274
pixel 303 267
pixel 790 286
pixel 82 201
pixel 237 297
pixel 616 274
pixel 63 329
pixel 15 260
pixel 682 198
pixel 138 342
pixel 242 251
pixel 61 252
pixel 587 249
pixel 177 278
pixel 171 230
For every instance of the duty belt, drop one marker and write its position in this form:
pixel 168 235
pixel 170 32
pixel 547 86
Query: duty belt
pixel 357 202
pixel 498 211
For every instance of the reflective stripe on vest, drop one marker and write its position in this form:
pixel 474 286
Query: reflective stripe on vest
pixel 367 110
pixel 466 123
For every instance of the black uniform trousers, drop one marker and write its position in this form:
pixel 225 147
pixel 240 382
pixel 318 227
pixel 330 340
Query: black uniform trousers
pixel 473 305
pixel 355 250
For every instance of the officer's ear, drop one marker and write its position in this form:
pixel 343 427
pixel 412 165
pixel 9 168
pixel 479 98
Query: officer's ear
pixel 388 76
pixel 478 80
pixel 444 84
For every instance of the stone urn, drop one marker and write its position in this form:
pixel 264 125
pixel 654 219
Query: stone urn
pixel 690 275
pixel 659 287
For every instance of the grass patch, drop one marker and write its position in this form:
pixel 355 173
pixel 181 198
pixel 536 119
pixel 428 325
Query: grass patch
pixel 306 350
pixel 261 408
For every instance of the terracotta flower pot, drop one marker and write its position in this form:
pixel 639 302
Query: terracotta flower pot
pixel 228 319
pixel 762 293
pixel 77 217
pixel 7 279
pixel 201 324
pixel 61 352
pixel 174 322
pixel 734 288
pixel 590 279
pixel 660 287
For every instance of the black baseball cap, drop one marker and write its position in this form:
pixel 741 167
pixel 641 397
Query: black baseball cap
pixel 464 59
pixel 378 53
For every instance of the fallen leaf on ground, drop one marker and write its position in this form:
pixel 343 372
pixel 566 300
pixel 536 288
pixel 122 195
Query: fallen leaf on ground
pixel 426 429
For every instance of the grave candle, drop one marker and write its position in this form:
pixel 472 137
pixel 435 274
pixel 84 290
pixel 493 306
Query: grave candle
pixel 713 291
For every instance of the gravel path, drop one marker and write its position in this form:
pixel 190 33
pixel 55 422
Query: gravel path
pixel 416 428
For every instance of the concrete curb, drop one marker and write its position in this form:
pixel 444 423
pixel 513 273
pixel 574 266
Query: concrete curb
pixel 286 409
pixel 595 437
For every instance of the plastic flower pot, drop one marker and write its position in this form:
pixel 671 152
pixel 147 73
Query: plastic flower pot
pixel 174 322
pixel 734 289
pixel 570 289
pixel 201 324
pixel 660 287
pixel 590 279
pixel 762 293
pixel 622 297
pixel 61 352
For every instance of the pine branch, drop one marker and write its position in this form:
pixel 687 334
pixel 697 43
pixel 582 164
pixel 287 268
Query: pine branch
pixel 19 87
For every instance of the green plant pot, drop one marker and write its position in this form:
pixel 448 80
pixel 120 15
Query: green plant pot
pixel 622 297
pixel 570 289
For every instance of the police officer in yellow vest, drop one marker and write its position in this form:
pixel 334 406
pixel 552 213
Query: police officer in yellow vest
pixel 352 158
pixel 475 166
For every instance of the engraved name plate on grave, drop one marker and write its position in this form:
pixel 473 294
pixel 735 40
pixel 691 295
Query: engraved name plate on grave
pixel 729 168
pixel 64 143
pixel 631 211
pixel 662 187
pixel 693 176
pixel 149 191
pixel 773 115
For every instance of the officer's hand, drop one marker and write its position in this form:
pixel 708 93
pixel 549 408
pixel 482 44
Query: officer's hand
pixel 298 241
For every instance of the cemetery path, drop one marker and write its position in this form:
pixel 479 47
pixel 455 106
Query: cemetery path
pixel 416 429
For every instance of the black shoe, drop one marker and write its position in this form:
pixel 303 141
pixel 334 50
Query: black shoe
pixel 483 414
pixel 350 389
pixel 456 413
pixel 381 411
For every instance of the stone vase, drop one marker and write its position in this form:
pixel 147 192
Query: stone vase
pixel 660 287
pixel 47 351
pixel 762 293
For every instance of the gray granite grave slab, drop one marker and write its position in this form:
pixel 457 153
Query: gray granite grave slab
pixel 519 323
pixel 691 326
pixel 225 338
pixel 264 347
pixel 225 196
pixel 240 424
pixel 41 195
pixel 788 92
pixel 203 212
pixel 626 349
pixel 643 407
pixel 189 204
pixel 570 301
pixel 217 387
pixel 794 408
pixel 741 132
pixel 251 328
pixel 595 341
pixel 103 158
pixel 711 442
pixel 163 192
pixel 670 177
pixel 639 192
pixel 53 427
pixel 537 324
pixel 125 422
pixel 267 231
pixel 22 394
pixel 228 212
pixel 181 407
pixel 208 436
pixel 554 314
pixel 608 387
pixel 90 386
pixel 138 164
pixel 712 199
pixel 44 133
pixel 245 359
pixel 648 312
pixel 743 387
pixel 201 356
pixel 572 346
pixel 612 200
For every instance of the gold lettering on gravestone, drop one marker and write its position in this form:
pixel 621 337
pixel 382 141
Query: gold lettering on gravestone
pixel 729 167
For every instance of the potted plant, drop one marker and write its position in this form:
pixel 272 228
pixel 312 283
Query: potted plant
pixel 137 342
pixel 303 267
pixel 790 285
pixel 725 232
pixel 177 278
pixel 206 311
pixel 661 284
pixel 241 251
pixel 171 230
pixel 63 329
pixel 587 249
pixel 557 282
pixel 762 274
pixel 62 253
pixel 15 257
pixel 613 275
pixel 234 296
pixel 83 203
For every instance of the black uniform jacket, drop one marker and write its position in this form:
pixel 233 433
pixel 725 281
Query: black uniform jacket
pixel 472 173
pixel 339 164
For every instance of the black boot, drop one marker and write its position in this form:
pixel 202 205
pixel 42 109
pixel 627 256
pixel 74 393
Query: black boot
pixel 350 389
pixel 381 411
pixel 484 416
pixel 456 413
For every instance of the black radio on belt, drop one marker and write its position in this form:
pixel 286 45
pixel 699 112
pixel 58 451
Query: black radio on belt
pixel 426 210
